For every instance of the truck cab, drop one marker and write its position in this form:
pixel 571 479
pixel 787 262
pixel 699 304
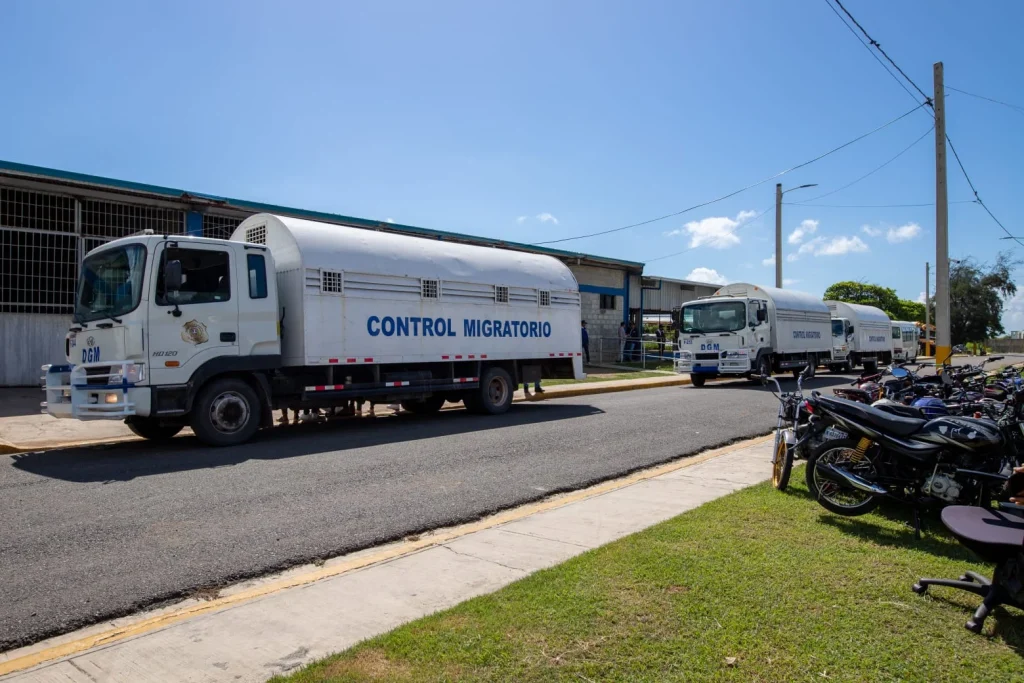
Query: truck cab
pixel 722 335
pixel 842 331
pixel 156 314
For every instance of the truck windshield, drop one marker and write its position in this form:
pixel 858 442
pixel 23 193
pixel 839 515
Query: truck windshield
pixel 720 316
pixel 837 328
pixel 110 284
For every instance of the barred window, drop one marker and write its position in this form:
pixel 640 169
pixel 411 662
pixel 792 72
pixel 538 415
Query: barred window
pixel 113 220
pixel 545 298
pixel 429 289
pixel 221 227
pixel 38 271
pixel 257 234
pixel 501 294
pixel 36 211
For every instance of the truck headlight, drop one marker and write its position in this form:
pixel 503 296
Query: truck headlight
pixel 685 355
pixel 742 353
pixel 133 374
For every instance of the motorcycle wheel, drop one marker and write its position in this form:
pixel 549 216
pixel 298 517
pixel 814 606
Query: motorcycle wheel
pixel 830 495
pixel 782 462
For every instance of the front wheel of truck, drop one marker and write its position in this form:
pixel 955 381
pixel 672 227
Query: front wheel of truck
pixel 152 429
pixel 226 413
pixel 698 380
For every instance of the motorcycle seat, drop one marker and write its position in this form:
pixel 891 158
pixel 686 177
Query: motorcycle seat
pixel 902 410
pixel 883 421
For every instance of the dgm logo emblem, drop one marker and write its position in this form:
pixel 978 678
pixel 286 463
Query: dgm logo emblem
pixel 91 352
pixel 194 332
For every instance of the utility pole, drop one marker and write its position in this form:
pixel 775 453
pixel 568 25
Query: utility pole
pixel 927 305
pixel 778 235
pixel 942 335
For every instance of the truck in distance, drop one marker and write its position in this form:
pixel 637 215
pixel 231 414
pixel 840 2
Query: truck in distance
pixel 861 336
pixel 745 329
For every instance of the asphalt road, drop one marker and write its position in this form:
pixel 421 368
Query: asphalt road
pixel 89 534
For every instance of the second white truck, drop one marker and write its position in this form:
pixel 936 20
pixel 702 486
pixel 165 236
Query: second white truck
pixel 744 329
pixel 861 336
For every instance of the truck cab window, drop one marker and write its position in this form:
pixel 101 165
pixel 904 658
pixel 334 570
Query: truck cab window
pixel 257 276
pixel 205 277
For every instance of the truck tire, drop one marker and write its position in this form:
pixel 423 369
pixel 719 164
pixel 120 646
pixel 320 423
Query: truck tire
pixel 152 429
pixel 495 394
pixel 226 413
pixel 698 380
pixel 426 406
pixel 764 365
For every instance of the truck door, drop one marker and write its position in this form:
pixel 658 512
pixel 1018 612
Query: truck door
pixel 198 321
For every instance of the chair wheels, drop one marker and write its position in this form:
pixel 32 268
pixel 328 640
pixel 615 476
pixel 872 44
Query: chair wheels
pixel 919 589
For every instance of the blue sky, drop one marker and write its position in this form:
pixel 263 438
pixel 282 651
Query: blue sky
pixel 534 121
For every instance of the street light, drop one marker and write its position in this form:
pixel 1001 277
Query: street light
pixel 778 228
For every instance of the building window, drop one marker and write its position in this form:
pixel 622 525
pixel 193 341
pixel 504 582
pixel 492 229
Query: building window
pixel 205 277
pixel 331 282
pixel 257 276
pixel 430 289
pixel 221 227
pixel 545 298
pixel 501 294
pixel 608 302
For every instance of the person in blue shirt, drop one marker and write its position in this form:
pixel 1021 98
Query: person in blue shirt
pixel 586 340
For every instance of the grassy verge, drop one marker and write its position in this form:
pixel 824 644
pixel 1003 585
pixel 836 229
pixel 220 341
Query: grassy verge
pixel 756 586
pixel 604 378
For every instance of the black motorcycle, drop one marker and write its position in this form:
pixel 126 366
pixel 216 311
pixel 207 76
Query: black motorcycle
pixel 945 460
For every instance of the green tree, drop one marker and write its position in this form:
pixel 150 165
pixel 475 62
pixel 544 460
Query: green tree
pixel 870 295
pixel 976 294
pixel 911 311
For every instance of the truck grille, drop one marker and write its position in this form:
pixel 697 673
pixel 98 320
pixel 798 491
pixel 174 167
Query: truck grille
pixel 98 375
pixel 706 356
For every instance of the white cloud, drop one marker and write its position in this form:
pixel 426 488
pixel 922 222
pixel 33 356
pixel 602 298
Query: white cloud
pixel 521 219
pixel 788 282
pixel 904 233
pixel 389 220
pixel 547 218
pixel 709 275
pixel 770 261
pixel 835 246
pixel 870 231
pixel 806 227
pixel 717 232
pixel 920 298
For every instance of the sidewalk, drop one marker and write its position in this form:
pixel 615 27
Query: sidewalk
pixel 265 627
pixel 23 428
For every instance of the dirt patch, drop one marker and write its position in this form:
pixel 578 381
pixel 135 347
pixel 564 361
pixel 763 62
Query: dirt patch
pixel 369 664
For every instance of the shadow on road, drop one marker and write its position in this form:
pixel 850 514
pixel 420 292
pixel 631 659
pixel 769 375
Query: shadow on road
pixel 819 383
pixel 127 461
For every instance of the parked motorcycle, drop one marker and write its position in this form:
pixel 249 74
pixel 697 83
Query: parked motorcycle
pixel 945 460
pixel 791 421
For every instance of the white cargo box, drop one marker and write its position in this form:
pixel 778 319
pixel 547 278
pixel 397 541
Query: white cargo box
pixel 356 296
pixel 872 329
pixel 800 322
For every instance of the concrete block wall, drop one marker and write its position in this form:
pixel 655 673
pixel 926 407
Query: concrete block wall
pixel 600 323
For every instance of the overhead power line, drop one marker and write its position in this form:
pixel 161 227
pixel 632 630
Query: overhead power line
pixel 742 189
pixel 878 46
pixel 872 172
pixel 1017 108
pixel 729 232
pixel 874 206
pixel 977 197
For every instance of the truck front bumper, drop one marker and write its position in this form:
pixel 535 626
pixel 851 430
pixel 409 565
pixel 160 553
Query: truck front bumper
pixel 723 366
pixel 95 391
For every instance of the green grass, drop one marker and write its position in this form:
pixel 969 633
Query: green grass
pixel 604 378
pixel 792 592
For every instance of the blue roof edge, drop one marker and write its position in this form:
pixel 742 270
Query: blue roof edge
pixel 85 178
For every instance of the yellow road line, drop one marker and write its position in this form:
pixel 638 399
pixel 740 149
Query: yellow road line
pixel 438 537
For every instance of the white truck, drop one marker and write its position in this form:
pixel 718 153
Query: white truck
pixel 170 330
pixel 861 335
pixel 744 329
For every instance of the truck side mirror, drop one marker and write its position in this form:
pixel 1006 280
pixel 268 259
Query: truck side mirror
pixel 172 276
pixel 849 330
pixel 762 315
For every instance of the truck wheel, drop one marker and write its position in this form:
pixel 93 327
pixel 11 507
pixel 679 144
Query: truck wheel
pixel 764 366
pixel 427 406
pixel 495 392
pixel 698 380
pixel 151 428
pixel 226 412
pixel 871 368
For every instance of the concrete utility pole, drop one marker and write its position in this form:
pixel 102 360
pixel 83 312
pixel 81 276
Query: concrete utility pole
pixel 778 235
pixel 927 300
pixel 942 335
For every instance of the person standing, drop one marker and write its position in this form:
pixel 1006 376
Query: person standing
pixel 586 341
pixel 536 388
pixel 659 334
pixel 622 341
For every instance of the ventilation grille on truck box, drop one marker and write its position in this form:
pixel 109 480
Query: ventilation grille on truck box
pixel 430 289
pixel 331 282
pixel 257 234
pixel 501 294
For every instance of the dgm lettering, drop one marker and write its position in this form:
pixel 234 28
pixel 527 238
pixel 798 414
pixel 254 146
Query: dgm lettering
pixel 412 326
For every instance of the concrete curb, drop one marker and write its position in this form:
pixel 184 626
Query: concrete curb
pixel 583 389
